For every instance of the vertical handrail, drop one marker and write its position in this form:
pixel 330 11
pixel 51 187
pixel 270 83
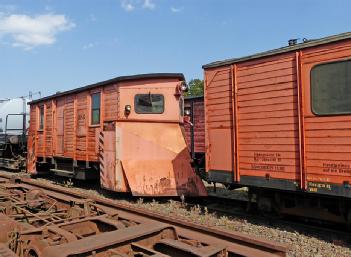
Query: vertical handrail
pixel 75 122
pixel 54 129
pixel 301 121
pixel 235 121
pixel 45 118
pixel 207 148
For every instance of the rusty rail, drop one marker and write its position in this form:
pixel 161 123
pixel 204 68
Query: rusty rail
pixel 68 222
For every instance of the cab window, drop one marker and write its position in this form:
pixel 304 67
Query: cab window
pixel 95 109
pixel 149 103
pixel 331 88
pixel 41 117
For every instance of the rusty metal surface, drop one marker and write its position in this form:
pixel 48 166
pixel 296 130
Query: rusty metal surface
pixel 35 222
pixel 5 251
pixel 43 220
pixel 164 168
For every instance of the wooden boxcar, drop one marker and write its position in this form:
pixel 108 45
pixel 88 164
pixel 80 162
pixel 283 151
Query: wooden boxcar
pixel 195 129
pixel 281 121
pixel 126 131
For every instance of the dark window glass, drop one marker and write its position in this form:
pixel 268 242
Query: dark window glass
pixel 149 103
pixel 331 88
pixel 41 117
pixel 95 109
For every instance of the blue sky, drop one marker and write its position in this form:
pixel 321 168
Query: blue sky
pixel 55 45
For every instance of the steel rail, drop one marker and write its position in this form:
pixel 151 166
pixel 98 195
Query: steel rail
pixel 237 244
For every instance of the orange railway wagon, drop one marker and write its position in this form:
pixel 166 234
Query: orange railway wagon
pixel 279 122
pixel 195 129
pixel 127 131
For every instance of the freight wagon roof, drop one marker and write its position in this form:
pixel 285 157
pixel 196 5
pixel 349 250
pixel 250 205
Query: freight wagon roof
pixel 307 44
pixel 179 76
pixel 190 98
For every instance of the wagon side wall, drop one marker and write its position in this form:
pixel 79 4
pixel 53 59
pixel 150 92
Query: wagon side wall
pixel 73 136
pixel 198 125
pixel 327 137
pixel 263 108
pixel 199 121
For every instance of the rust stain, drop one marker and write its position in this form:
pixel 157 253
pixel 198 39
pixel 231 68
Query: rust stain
pixel 164 168
pixel 35 223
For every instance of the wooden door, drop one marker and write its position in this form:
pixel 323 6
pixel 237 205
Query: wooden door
pixel 219 125
pixel 60 108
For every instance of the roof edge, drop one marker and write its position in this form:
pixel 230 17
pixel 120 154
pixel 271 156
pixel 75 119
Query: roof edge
pixel 195 97
pixel 285 49
pixel 179 76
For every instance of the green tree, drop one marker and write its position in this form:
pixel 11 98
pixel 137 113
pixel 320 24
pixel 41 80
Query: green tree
pixel 196 88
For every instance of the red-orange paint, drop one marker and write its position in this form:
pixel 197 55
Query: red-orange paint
pixel 144 154
pixel 258 116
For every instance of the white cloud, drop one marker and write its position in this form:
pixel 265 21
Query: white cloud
pixel 28 32
pixel 87 46
pixel 128 5
pixel 176 9
pixel 148 4
pixel 131 5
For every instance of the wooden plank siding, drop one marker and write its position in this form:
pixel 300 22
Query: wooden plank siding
pixel 32 133
pixel 199 133
pixel 69 136
pixel 277 134
pixel 69 144
pixel 328 138
pixel 268 139
pixel 199 125
pixel 48 131
pixel 78 136
pixel 82 123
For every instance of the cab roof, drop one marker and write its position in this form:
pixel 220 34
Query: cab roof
pixel 179 76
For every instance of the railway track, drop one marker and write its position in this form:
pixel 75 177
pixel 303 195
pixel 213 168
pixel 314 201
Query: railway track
pixel 38 219
pixel 316 227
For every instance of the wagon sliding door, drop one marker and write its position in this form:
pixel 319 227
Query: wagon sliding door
pixel 219 125
pixel 326 78
pixel 60 107
pixel 268 131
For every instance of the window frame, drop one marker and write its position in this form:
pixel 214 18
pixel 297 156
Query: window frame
pixel 135 104
pixel 41 118
pixel 311 90
pixel 94 109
